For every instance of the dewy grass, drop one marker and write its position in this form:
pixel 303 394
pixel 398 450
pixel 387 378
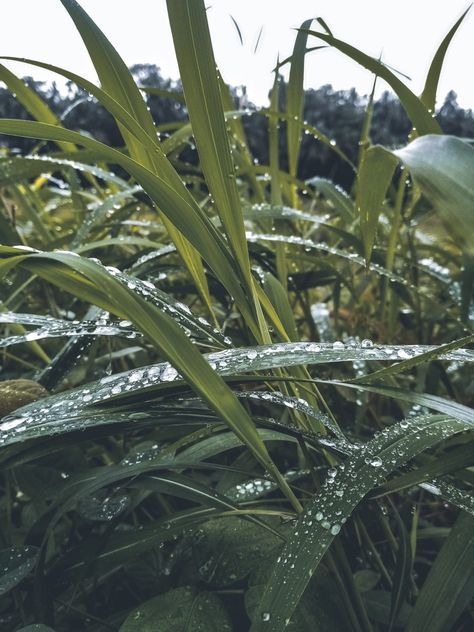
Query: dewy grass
pixel 257 405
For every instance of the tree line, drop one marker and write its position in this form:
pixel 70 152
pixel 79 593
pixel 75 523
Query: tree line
pixel 339 114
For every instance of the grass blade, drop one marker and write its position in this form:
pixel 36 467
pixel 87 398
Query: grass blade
pixel 416 110
pixel 33 103
pixel 428 96
pixel 321 521
pixel 93 283
pixel 295 97
pixel 449 587
pixel 373 179
pixel 117 81
pixel 197 67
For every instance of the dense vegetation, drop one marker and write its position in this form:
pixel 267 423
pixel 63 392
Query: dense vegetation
pixel 235 394
pixel 339 114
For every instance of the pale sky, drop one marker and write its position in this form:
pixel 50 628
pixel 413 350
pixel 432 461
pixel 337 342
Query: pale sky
pixel 407 32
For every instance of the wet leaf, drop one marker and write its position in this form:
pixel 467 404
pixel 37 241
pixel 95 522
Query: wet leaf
pixel 179 610
pixel 16 563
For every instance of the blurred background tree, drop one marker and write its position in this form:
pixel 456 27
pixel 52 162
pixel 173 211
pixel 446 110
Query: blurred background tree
pixel 337 113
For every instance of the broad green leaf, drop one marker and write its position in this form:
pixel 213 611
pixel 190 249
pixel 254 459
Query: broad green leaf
pixel 323 517
pixel 179 610
pixel 439 465
pixel 373 179
pixel 449 587
pixel 19 168
pixel 417 112
pixel 279 299
pixel 443 168
pixel 273 146
pixel 111 69
pixel 411 362
pixel 16 563
pixel 434 402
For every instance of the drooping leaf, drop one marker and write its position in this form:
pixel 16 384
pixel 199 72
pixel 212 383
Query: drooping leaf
pixel 94 283
pixel 443 168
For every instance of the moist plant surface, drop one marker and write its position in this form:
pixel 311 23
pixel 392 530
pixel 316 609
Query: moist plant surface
pixel 230 398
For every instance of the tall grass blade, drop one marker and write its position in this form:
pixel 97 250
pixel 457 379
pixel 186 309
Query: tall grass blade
pixel 197 67
pixel 449 587
pixel 118 82
pixel 428 96
pixel 295 97
pixel 373 179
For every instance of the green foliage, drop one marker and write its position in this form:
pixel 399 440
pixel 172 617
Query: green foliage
pixel 233 397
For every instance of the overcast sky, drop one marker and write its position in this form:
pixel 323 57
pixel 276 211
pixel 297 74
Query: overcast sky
pixel 407 32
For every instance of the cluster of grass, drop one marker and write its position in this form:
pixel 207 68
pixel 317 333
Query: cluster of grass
pixel 232 399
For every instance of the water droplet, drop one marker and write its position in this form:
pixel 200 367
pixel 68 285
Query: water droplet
pixel 366 343
pixel 266 616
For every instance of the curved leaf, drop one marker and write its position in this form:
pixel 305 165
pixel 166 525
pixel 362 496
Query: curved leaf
pixel 443 168
pixel 417 112
pixel 325 514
